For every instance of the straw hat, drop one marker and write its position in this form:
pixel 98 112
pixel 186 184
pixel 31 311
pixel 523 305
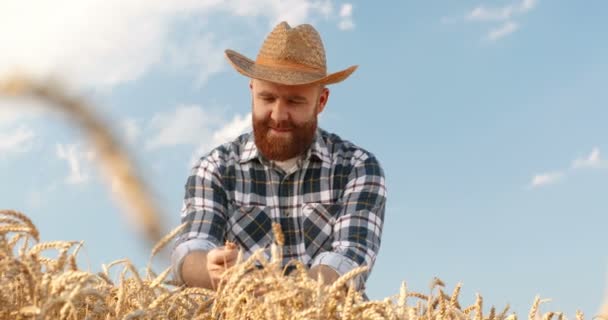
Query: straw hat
pixel 289 56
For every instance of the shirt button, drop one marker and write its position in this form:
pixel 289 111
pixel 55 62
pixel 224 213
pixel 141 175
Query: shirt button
pixel 287 213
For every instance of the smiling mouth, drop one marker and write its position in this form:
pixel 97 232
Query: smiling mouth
pixel 281 129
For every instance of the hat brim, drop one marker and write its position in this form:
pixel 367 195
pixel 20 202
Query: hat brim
pixel 249 68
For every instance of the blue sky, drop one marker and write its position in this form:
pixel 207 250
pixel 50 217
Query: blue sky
pixel 490 118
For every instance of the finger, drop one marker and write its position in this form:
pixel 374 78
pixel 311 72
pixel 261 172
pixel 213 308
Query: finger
pixel 230 258
pixel 230 245
pixel 231 254
pixel 222 256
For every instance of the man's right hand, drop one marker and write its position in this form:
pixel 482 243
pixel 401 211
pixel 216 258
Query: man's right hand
pixel 218 261
pixel 205 268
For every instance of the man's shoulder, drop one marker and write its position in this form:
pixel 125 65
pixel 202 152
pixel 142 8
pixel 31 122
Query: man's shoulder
pixel 341 149
pixel 226 153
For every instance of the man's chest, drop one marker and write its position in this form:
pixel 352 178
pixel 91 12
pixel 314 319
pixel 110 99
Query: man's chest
pixel 306 203
pixel 255 185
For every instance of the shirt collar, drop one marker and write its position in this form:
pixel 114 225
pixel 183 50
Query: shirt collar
pixel 317 151
pixel 249 150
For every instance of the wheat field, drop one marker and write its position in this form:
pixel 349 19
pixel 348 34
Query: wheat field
pixel 41 280
pixel 35 286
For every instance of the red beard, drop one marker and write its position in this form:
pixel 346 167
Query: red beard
pixel 285 146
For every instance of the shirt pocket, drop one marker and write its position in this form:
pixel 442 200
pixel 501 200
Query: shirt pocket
pixel 317 227
pixel 250 227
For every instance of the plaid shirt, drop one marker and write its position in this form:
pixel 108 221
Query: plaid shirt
pixel 330 207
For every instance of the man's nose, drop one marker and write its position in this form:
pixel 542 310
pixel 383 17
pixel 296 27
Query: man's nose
pixel 279 111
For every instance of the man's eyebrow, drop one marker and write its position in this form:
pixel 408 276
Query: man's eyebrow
pixel 297 98
pixel 265 94
pixel 293 97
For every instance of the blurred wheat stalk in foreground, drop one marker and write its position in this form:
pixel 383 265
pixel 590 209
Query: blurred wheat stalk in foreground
pixel 113 159
pixel 36 286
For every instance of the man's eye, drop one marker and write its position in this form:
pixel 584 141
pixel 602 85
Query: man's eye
pixel 269 99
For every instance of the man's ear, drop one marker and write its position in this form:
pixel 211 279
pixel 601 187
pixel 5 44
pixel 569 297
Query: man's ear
pixel 323 98
pixel 250 84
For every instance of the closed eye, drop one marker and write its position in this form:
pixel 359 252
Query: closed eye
pixel 267 98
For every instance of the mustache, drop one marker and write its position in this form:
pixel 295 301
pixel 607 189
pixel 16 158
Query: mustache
pixel 285 124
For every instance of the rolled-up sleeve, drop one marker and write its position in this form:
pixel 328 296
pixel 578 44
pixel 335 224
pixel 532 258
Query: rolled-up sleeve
pixel 357 229
pixel 204 211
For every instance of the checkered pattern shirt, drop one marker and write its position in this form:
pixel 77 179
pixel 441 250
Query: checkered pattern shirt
pixel 330 206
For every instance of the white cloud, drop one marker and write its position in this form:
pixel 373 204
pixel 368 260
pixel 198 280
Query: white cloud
pixel 203 54
pixel 504 14
pixel 103 43
pixel 546 179
pixel 186 125
pixel 346 10
pixel 593 160
pixel 527 5
pixel 346 24
pixel 8 115
pixel 346 20
pixel 493 14
pixel 292 11
pixel 506 29
pixel 16 140
pixel 237 126
pixel 225 133
pixel 17 134
pixel 482 13
pixel 325 8
pixel 95 42
pixel 78 162
pixel 193 125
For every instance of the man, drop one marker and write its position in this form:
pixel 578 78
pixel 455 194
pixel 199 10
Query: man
pixel 327 194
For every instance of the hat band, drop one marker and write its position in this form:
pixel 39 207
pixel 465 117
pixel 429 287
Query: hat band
pixel 284 64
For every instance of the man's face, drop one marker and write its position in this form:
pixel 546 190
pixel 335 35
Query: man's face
pixel 285 117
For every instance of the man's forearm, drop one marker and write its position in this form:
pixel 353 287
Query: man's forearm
pixel 329 275
pixel 194 270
